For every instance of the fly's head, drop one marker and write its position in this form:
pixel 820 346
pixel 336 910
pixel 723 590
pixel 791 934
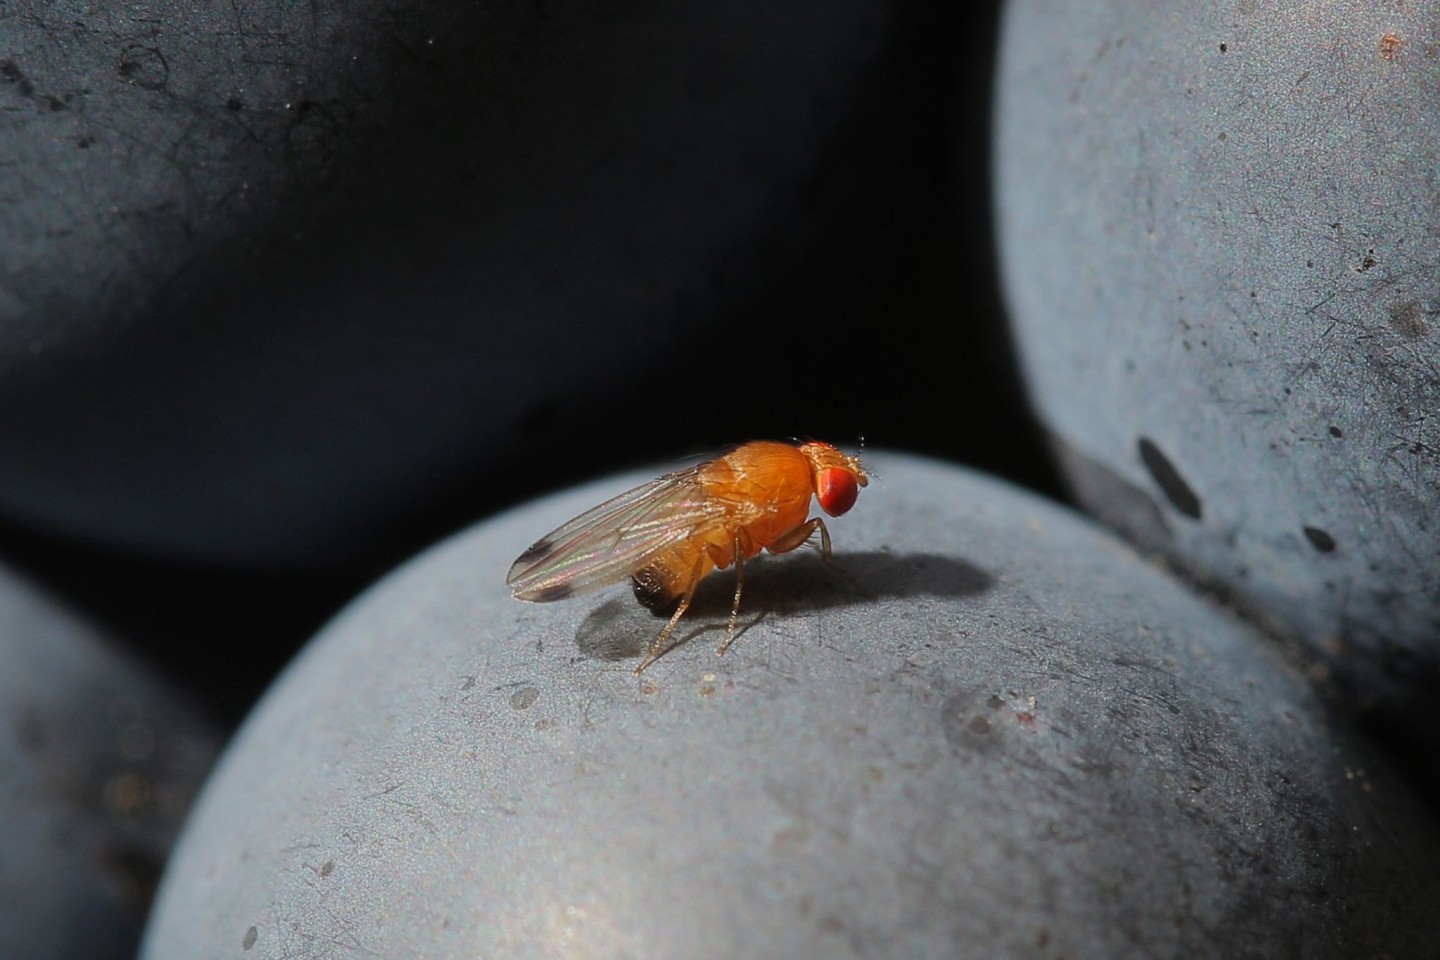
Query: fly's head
pixel 838 476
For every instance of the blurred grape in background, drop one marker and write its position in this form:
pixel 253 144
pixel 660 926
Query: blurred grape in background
pixel 290 294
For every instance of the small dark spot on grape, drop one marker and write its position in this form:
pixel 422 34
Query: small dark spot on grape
pixel 10 72
pixel 1320 540
pixel 145 67
pixel 1409 319
pixel 1181 496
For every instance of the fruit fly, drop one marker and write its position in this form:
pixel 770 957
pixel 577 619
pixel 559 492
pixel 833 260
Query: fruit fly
pixel 666 535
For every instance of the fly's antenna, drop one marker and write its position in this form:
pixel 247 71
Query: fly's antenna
pixel 860 455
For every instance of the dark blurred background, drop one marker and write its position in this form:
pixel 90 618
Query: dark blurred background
pixel 861 300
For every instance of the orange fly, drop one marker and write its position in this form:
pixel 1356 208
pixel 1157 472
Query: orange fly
pixel 666 535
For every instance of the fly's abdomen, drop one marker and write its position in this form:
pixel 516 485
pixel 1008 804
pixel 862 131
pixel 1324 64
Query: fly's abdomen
pixel 661 584
pixel 656 590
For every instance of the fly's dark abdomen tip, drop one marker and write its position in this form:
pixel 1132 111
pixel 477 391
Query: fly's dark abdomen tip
pixel 558 591
pixel 654 592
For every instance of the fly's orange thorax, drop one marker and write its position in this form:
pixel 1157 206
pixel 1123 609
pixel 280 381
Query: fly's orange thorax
pixel 764 490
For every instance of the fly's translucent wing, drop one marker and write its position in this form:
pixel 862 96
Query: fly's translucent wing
pixel 610 542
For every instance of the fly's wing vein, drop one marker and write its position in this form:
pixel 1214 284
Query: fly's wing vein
pixel 608 543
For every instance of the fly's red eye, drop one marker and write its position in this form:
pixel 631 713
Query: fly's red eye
pixel 836 490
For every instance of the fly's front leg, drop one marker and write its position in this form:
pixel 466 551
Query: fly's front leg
pixel 794 538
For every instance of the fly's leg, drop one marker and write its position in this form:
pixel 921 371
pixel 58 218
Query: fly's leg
pixel 799 535
pixel 735 606
pixel 659 646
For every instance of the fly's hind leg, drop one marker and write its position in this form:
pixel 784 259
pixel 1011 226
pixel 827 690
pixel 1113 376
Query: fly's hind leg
pixel 735 606
pixel 659 645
